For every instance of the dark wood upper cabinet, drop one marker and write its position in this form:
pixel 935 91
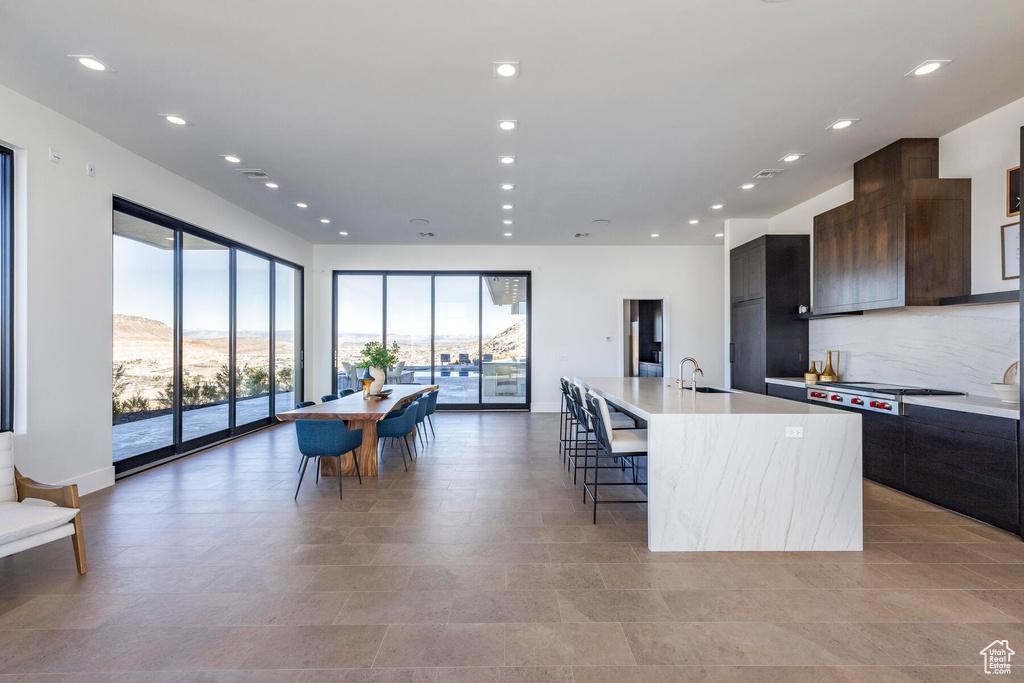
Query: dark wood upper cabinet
pixel 905 239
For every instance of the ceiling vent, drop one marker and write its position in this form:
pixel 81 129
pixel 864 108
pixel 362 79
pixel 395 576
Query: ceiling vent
pixel 254 174
pixel 582 235
pixel 768 173
pixel 426 234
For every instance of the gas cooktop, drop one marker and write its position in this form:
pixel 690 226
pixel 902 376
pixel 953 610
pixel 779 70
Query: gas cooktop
pixel 890 389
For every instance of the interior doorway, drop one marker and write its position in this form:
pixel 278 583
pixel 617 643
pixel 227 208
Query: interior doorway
pixel 643 341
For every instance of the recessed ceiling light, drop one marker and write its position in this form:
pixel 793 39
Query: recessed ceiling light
pixel 694 221
pixel 325 220
pixel 273 186
pixel 601 222
pixel 507 159
pixel 231 159
pixel 748 186
pixel 343 234
pixel 843 123
pixel 654 234
pixel 508 207
pixel 175 119
pixel 419 221
pixel 90 62
pixel 716 207
pixel 927 67
pixel 506 69
pixel 508 234
pixel 789 158
pixel 508 124
pixel 301 205
pixel 508 186
pixel 507 222
pixel 719 234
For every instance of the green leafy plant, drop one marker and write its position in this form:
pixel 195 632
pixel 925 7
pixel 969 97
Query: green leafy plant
pixel 379 356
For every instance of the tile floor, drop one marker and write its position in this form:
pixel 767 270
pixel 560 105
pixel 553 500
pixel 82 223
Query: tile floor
pixel 481 564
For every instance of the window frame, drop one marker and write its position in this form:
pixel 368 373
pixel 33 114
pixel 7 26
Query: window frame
pixel 178 447
pixel 7 181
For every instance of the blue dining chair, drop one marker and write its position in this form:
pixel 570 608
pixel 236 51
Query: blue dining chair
pixel 421 417
pixel 328 397
pixel 432 408
pixel 346 392
pixel 399 425
pixel 327 439
pixel 304 404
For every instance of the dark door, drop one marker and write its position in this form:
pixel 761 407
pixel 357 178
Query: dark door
pixel 747 350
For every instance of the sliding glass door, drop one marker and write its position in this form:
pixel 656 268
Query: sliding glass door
pixel 466 332
pixel 207 337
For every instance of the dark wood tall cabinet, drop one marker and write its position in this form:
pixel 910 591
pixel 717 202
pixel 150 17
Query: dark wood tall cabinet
pixel 769 278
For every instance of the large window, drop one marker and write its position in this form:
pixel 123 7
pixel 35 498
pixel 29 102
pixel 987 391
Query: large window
pixel 207 337
pixel 466 332
pixel 6 289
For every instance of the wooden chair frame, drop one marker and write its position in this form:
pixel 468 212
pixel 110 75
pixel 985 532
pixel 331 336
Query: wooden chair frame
pixel 64 496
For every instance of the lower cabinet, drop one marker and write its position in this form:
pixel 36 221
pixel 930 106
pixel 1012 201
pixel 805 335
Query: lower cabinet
pixel 964 462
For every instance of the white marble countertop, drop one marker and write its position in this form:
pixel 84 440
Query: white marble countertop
pixel 979 405
pixel 646 396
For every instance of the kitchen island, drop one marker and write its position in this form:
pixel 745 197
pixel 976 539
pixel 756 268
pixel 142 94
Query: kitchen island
pixel 722 474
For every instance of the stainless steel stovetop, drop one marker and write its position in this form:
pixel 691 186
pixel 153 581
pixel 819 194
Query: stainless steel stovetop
pixel 870 396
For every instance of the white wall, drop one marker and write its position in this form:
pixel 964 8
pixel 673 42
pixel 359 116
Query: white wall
pixel 63 288
pixel 577 294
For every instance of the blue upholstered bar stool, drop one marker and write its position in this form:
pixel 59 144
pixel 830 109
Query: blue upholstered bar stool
pixel 328 397
pixel 327 439
pixel 399 425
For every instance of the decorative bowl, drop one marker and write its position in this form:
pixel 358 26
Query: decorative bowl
pixel 1007 393
pixel 384 394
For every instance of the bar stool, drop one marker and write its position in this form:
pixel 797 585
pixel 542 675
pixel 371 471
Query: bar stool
pixel 625 444
pixel 584 423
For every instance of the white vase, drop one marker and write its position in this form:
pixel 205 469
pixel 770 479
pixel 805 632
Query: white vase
pixel 379 376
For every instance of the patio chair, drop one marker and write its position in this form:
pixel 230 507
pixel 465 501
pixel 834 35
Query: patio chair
pixel 463 359
pixel 488 357
pixel 446 358
pixel 395 376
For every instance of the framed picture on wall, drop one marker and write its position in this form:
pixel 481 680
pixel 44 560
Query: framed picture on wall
pixel 1013 192
pixel 1011 251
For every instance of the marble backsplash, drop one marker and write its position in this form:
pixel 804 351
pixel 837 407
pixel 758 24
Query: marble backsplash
pixel 959 348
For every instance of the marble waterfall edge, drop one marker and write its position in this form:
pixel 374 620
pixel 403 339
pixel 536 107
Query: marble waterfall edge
pixel 737 482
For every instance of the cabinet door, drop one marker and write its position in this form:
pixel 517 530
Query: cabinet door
pixel 738 276
pixel 748 346
pixel 755 272
pixel 882 443
pixel 658 325
pixel 974 474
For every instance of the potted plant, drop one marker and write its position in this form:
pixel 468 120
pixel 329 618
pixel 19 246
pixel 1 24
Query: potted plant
pixel 379 359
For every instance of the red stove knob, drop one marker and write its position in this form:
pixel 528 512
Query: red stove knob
pixel 856 401
pixel 837 397
pixel 884 406
pixel 873 404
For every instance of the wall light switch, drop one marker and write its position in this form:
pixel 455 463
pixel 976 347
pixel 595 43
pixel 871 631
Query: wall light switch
pixel 90 170
pixel 54 156
pixel 794 432
pixel 607 339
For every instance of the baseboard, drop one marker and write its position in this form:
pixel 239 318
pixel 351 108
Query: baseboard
pixel 92 481
pixel 545 407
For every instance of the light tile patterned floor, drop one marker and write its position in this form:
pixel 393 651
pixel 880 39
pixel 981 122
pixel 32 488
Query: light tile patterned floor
pixel 481 564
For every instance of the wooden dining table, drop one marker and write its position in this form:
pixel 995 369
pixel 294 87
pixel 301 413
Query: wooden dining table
pixel 358 413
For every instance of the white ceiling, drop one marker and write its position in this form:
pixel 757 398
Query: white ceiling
pixel 643 112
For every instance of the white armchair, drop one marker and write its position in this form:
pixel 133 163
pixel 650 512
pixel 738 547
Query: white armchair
pixel 32 514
